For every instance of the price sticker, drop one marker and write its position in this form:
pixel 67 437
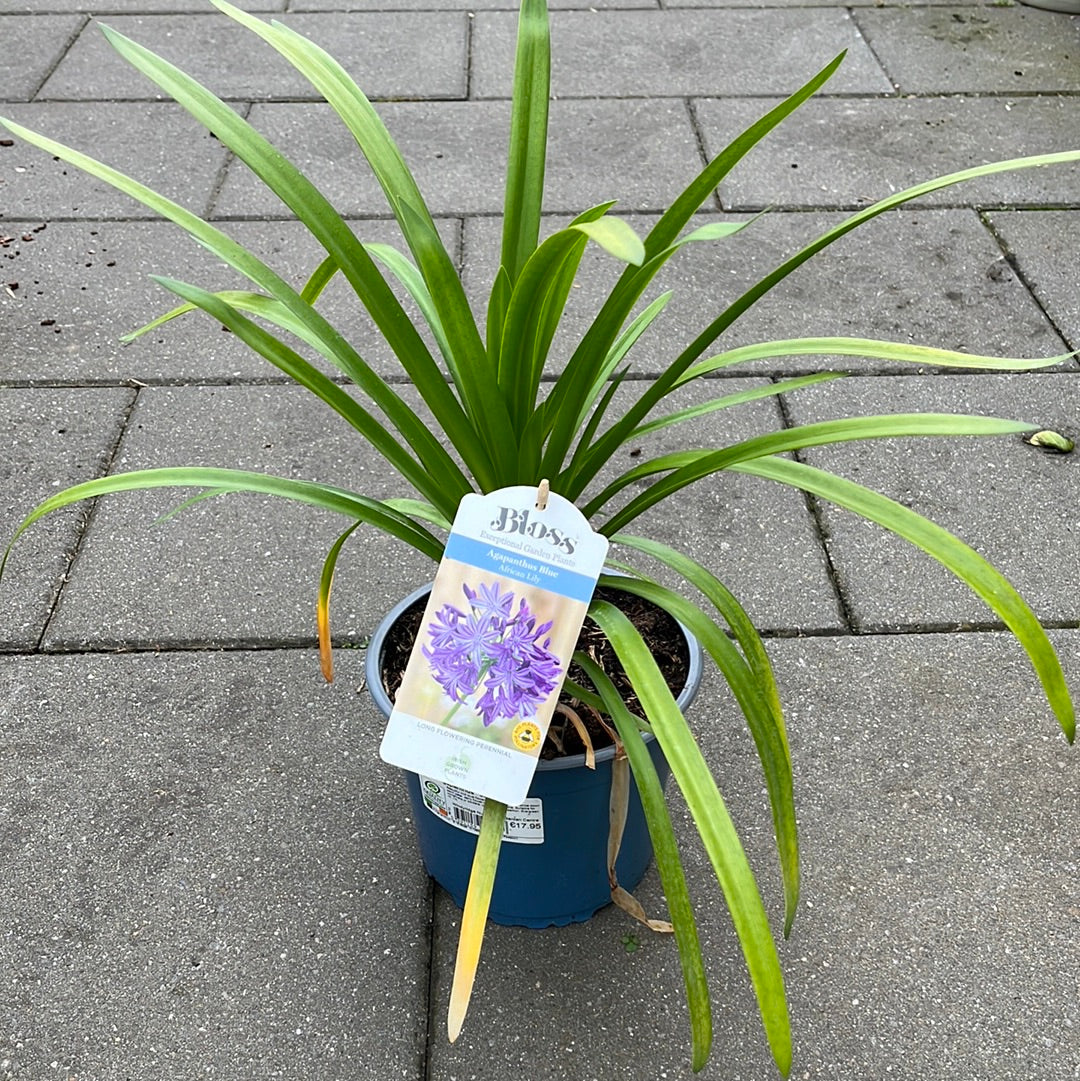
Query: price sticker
pixel 524 824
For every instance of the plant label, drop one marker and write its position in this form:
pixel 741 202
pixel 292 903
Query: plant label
pixel 498 632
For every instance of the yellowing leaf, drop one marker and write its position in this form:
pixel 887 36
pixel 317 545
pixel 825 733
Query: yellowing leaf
pixel 616 237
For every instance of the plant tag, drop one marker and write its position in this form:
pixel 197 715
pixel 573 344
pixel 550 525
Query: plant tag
pixel 498 632
pixel 464 810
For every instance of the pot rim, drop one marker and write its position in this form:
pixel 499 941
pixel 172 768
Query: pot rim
pixel 382 701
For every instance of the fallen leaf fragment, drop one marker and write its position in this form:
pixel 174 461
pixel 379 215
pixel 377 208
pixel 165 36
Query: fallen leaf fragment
pixel 1053 441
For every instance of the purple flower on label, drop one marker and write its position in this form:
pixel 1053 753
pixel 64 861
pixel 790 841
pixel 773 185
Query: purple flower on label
pixel 494 648
pixel 488 601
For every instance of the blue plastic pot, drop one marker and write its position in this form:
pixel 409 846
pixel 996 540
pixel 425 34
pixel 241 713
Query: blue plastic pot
pixel 564 879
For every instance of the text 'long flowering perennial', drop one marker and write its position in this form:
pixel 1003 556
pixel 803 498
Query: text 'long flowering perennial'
pixel 494 646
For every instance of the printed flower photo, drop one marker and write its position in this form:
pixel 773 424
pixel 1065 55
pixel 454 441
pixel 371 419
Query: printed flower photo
pixel 490 658
pixel 495 647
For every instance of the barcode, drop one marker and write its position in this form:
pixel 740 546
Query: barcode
pixel 470 820
pixel 464 817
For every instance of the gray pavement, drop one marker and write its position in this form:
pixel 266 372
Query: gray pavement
pixel 206 870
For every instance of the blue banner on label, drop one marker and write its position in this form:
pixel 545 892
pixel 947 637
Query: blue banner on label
pixel 522 568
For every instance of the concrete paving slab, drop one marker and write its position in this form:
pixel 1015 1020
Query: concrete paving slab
pixel 52 438
pixel 932 277
pixel 33 45
pixel 207 873
pixel 413 55
pixel 1018 505
pixel 757 4
pixel 935 936
pixel 639 152
pixel 83 284
pixel 1044 246
pixel 852 152
pixel 156 143
pixel 97 7
pixel 676 53
pixel 954 50
pixel 758 538
pixel 241 570
pixel 455 5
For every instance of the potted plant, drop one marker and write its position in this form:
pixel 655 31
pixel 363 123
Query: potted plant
pixel 555 871
pixel 492 429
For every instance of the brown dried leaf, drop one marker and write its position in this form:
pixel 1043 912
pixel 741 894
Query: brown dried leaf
pixel 630 904
pixel 582 731
pixel 618 806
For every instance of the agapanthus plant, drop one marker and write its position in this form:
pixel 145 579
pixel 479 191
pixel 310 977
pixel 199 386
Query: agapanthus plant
pixel 494 647
pixel 489 427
